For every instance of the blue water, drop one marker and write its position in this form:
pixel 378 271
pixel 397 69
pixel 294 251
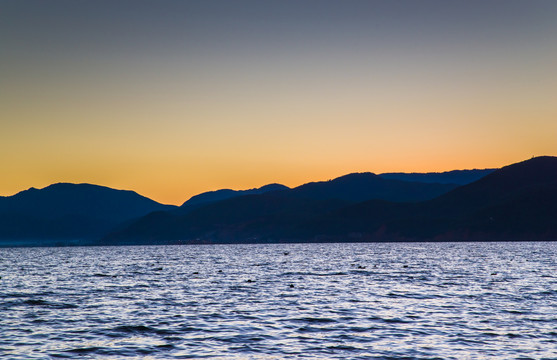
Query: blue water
pixel 301 301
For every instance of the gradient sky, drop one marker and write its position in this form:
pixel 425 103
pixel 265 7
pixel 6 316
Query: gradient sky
pixel 173 98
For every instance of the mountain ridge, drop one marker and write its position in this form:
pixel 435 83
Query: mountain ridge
pixel 66 211
pixel 506 204
pixel 365 186
pixel 223 194
pixel 516 202
pixel 287 204
pixel 459 177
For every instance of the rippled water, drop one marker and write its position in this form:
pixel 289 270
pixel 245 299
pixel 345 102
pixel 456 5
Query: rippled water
pixel 307 301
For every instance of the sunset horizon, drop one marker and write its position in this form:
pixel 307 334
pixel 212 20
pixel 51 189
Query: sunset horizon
pixel 179 202
pixel 172 99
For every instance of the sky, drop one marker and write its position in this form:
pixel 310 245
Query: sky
pixel 174 98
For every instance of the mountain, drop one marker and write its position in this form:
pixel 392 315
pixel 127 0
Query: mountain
pixel 250 218
pixel 223 194
pixel 67 212
pixel 459 177
pixel 359 187
pixel 268 215
pixel 516 202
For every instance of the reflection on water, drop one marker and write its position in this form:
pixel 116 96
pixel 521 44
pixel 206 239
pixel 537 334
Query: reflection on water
pixel 312 301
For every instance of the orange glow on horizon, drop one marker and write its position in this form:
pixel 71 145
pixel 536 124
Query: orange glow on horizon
pixel 204 99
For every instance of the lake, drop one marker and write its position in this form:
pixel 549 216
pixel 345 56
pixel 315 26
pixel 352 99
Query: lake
pixel 281 301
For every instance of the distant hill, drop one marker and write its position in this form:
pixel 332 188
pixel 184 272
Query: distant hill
pixel 223 194
pixel 517 202
pixel 359 187
pixel 63 212
pixel 249 218
pixel 459 177
pixel 271 214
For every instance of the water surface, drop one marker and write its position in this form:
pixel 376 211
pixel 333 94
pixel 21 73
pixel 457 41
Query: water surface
pixel 297 301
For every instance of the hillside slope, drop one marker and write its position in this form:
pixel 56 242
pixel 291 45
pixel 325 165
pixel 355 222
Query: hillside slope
pixel 69 211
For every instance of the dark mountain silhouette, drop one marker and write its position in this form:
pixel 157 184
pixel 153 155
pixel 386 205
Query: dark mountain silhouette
pixel 517 202
pixel 354 187
pixel 250 218
pixel 271 215
pixel 69 212
pixel 459 177
pixel 359 187
pixel 223 194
